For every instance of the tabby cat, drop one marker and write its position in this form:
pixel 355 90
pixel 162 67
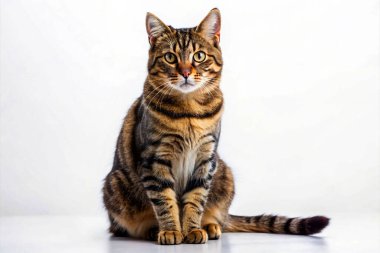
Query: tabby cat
pixel 168 182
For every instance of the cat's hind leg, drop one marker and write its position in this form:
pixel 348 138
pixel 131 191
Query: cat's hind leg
pixel 129 213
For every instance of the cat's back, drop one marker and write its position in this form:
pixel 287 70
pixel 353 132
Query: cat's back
pixel 124 153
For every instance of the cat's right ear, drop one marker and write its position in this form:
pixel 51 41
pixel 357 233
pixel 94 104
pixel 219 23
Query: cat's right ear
pixel 154 27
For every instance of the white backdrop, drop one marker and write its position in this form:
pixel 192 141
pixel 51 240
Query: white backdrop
pixel 301 84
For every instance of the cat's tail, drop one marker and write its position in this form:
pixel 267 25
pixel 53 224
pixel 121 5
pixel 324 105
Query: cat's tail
pixel 276 224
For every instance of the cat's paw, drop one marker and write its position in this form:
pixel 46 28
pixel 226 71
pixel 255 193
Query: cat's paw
pixel 169 237
pixel 213 231
pixel 196 236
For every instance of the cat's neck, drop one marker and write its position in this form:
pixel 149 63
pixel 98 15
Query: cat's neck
pixel 201 101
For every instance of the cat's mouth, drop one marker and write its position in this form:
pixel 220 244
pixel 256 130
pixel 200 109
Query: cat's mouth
pixel 186 85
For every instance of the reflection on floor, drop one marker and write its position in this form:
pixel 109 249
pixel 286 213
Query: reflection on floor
pixel 346 234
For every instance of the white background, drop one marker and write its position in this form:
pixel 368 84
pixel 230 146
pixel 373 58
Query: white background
pixel 301 85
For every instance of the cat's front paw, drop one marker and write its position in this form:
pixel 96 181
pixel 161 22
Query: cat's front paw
pixel 169 237
pixel 196 236
pixel 213 231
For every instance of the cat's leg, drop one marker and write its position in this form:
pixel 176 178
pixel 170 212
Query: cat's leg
pixel 219 200
pixel 130 212
pixel 196 193
pixel 158 182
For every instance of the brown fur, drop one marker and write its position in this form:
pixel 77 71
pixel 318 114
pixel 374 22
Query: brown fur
pixel 167 182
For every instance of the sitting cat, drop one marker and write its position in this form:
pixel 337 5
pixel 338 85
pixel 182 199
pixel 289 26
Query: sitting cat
pixel 168 182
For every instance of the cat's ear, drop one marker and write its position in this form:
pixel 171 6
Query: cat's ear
pixel 210 26
pixel 154 27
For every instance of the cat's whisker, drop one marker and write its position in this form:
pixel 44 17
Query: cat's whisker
pixel 163 94
pixel 157 89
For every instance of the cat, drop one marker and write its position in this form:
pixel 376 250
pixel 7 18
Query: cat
pixel 168 182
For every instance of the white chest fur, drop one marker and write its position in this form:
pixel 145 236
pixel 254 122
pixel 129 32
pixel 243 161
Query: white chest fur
pixel 183 168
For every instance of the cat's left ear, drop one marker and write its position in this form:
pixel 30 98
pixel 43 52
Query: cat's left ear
pixel 155 27
pixel 210 26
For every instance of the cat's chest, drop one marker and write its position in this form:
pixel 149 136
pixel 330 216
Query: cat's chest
pixel 183 166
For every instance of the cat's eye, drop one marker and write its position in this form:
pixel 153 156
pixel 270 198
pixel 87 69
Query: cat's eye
pixel 170 57
pixel 199 56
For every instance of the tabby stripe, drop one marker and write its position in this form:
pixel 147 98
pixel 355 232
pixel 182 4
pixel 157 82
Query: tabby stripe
pixel 154 73
pixel 212 72
pixel 155 61
pixel 169 223
pixel 212 141
pixel 194 46
pixel 204 162
pixel 206 101
pixel 125 174
pixel 257 219
pixel 192 204
pixel 147 162
pixel 133 148
pixel 167 100
pixel 157 125
pixel 173 144
pixel 157 202
pixel 216 62
pixel 173 135
pixel 176 115
pixel 192 221
pixel 175 45
pixel 162 162
pixel 111 205
pixel 272 223
pixel 179 35
pixel 149 178
pixel 162 182
pixel 196 183
pixel 178 144
pixel 153 188
pixel 109 189
pixel 189 39
pixel 194 227
pixel 287 226
pixel 207 135
pixel 163 212
pixel 122 188
pixel 213 165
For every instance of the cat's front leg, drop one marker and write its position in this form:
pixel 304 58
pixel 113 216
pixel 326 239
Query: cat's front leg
pixel 194 200
pixel 159 185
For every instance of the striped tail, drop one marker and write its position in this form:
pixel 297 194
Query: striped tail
pixel 276 224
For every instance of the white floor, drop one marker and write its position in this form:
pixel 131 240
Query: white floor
pixel 346 233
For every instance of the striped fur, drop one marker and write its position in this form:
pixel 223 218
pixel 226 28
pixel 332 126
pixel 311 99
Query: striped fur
pixel 167 182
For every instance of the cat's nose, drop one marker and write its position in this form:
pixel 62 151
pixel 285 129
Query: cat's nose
pixel 186 73
pixel 184 69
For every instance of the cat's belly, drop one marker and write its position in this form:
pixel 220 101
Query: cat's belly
pixel 183 167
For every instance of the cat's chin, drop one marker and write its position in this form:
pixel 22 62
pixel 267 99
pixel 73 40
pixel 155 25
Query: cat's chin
pixel 186 87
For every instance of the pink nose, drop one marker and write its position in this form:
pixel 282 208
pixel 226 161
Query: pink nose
pixel 186 73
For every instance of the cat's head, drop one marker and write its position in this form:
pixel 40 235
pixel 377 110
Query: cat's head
pixel 185 60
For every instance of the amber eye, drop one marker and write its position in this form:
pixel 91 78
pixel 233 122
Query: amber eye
pixel 170 57
pixel 199 56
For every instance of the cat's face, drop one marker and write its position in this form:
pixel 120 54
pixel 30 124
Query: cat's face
pixel 185 60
